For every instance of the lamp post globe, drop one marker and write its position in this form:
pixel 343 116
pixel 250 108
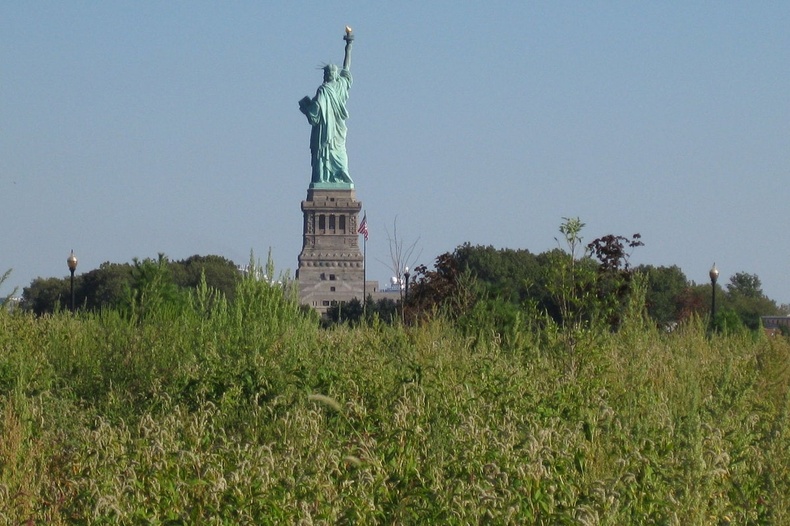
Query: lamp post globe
pixel 72 263
pixel 714 273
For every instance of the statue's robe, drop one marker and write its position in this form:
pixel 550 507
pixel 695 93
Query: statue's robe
pixel 327 114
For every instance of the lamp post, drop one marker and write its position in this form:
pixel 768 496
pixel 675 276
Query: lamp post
pixel 72 263
pixel 406 275
pixel 405 295
pixel 714 276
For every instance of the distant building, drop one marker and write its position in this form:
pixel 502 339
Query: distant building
pixel 11 303
pixel 774 325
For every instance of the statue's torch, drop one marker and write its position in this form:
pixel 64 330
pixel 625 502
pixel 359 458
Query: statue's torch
pixel 347 59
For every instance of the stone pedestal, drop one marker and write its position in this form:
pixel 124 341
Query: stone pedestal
pixel 331 265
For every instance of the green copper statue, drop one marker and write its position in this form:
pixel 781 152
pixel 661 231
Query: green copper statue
pixel 327 114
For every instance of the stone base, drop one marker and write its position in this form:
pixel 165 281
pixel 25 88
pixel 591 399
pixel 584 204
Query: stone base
pixel 331 266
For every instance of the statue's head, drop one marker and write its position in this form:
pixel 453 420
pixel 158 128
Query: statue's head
pixel 330 72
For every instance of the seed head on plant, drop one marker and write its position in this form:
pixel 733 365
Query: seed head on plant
pixel 326 400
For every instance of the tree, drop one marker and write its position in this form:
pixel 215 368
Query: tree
pixel 745 285
pixel 695 300
pixel 614 284
pixel 46 295
pixel 665 287
pixel 350 312
pixel 385 309
pixel 568 276
pixel 401 255
pixel 152 290
pixel 105 286
pixel 221 273
pixel 728 321
pixel 745 297
pixel 507 274
pixel 447 287
pixel 585 292
pixel 108 285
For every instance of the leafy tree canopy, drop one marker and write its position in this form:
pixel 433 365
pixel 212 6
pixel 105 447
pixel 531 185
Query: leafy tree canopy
pixel 746 285
pixel 115 284
pixel 665 291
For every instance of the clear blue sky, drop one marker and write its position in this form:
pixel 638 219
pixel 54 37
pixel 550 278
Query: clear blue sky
pixel 138 127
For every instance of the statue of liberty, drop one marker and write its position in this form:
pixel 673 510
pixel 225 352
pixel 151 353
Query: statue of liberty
pixel 327 114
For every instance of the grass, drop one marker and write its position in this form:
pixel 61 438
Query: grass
pixel 250 414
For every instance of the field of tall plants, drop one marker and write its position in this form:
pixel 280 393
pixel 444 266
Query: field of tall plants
pixel 250 413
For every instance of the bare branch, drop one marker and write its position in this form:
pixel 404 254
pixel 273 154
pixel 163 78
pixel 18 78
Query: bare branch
pixel 401 254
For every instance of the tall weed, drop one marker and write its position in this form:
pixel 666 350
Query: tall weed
pixel 246 412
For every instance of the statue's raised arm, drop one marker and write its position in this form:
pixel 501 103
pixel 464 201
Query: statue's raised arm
pixel 349 38
pixel 327 114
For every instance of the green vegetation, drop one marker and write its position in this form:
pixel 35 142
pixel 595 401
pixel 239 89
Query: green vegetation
pixel 510 388
pixel 201 410
pixel 578 285
pixel 117 284
pixel 575 284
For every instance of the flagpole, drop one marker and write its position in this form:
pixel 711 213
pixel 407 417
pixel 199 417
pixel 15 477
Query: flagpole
pixel 363 229
pixel 365 270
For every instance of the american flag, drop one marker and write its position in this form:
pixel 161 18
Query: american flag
pixel 363 227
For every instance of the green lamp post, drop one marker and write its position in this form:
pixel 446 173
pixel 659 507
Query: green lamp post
pixel 714 276
pixel 72 263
